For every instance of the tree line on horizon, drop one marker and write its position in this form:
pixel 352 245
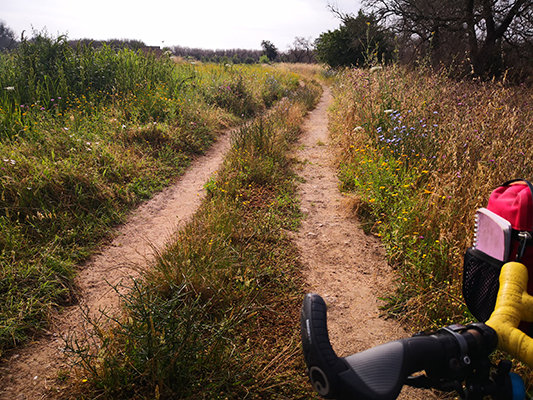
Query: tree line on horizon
pixel 300 51
pixel 470 38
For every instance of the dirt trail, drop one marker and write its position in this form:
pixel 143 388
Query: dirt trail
pixel 31 372
pixel 344 265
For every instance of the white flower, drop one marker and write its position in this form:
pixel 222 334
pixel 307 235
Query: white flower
pixel 388 111
pixel 10 88
pixel 373 69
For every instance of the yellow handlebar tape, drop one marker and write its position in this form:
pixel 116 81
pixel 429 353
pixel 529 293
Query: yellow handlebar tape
pixel 513 305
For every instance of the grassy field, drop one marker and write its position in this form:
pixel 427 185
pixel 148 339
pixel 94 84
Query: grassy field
pixel 217 316
pixel 85 135
pixel 420 154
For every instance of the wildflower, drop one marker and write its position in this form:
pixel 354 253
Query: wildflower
pixel 377 68
pixel 10 88
pixel 388 111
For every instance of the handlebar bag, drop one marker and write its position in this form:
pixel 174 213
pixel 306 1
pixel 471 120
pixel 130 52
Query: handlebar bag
pixel 513 201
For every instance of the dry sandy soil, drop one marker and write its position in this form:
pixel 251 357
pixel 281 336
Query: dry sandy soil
pixel 344 265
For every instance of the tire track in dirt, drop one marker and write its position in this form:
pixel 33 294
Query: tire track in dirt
pixel 31 372
pixel 342 264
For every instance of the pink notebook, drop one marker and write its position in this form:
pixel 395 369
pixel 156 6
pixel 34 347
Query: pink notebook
pixel 492 234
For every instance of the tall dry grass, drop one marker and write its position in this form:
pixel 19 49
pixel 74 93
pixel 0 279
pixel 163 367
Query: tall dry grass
pixel 422 153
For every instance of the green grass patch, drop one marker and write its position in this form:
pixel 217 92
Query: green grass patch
pixel 85 135
pixel 217 316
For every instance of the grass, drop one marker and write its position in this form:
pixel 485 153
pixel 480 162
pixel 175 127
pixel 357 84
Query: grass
pixel 419 154
pixel 85 135
pixel 216 318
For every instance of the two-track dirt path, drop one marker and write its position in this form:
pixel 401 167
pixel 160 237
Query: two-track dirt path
pixel 344 265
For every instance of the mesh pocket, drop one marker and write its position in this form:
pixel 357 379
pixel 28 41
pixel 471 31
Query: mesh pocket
pixel 480 283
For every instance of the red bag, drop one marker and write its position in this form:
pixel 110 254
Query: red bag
pixel 513 201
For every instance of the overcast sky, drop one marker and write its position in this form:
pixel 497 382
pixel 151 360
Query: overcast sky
pixel 208 24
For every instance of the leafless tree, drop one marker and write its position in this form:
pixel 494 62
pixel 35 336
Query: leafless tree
pixel 478 31
pixel 301 50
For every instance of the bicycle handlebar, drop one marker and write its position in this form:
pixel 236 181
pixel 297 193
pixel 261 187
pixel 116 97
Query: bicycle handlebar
pixel 379 373
pixel 513 305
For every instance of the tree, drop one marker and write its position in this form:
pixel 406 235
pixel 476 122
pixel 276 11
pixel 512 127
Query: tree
pixel 269 50
pixel 359 41
pixel 301 51
pixel 480 31
pixel 7 37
